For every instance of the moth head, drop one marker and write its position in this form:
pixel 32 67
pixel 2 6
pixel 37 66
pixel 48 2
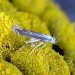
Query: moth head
pixel 53 40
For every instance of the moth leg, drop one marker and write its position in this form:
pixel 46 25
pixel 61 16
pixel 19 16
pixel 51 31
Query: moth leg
pixel 22 46
pixel 31 41
pixel 41 49
pixel 36 47
pixel 32 44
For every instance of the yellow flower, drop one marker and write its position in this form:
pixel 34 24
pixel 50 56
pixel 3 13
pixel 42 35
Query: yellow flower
pixel 33 6
pixel 48 62
pixel 8 68
pixel 9 40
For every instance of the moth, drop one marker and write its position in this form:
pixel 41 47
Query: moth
pixel 35 36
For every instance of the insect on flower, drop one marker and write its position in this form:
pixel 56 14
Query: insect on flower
pixel 35 36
